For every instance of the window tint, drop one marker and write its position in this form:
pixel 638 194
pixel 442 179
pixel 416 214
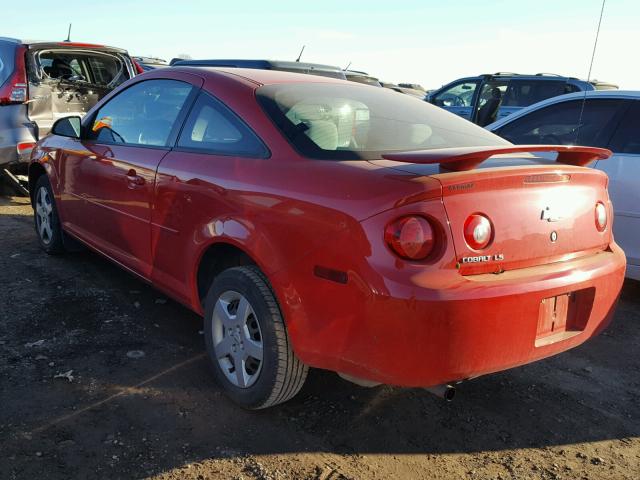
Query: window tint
pixel 459 95
pixel 558 124
pixel 213 128
pixel 143 114
pixel 627 136
pixel 522 93
pixel 338 121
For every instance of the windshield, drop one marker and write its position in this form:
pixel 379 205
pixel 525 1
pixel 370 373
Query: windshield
pixel 339 122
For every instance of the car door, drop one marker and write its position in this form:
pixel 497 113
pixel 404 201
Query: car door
pixel 457 98
pixel 200 179
pixel 489 99
pixel 108 184
pixel 623 169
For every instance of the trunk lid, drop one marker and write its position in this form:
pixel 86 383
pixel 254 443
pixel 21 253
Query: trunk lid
pixel 539 215
pixel 541 211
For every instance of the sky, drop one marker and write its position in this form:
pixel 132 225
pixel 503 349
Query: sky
pixel 427 42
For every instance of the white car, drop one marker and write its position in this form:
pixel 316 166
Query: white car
pixel 609 119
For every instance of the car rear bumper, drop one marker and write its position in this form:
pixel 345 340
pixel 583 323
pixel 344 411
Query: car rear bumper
pixel 15 127
pixel 423 336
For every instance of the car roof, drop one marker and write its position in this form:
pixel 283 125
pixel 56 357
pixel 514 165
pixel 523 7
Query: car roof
pixel 258 64
pixel 262 77
pixel 619 94
pixel 64 44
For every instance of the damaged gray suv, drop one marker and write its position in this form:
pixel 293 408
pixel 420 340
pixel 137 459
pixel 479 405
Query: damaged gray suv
pixel 43 81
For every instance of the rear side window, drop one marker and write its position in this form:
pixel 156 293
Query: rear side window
pixel 7 59
pixel 143 114
pixel 213 128
pixel 522 93
pixel 558 124
pixel 627 136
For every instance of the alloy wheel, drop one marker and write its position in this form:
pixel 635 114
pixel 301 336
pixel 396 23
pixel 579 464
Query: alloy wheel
pixel 44 215
pixel 237 339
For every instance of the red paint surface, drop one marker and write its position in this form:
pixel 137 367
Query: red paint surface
pixel 395 321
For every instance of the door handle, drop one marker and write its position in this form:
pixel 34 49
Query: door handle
pixel 134 179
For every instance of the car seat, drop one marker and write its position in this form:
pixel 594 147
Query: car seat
pixel 487 113
pixel 322 132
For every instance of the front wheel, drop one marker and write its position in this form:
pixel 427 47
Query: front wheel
pixel 247 340
pixel 47 223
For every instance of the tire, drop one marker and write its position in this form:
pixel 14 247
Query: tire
pixel 260 383
pixel 45 215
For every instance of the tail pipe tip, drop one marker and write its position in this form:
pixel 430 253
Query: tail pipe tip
pixel 444 391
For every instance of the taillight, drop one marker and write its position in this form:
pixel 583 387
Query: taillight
pixel 601 217
pixel 14 89
pixel 410 237
pixel 25 148
pixel 477 231
pixel 137 66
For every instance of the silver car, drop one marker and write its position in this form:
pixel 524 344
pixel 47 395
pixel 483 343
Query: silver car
pixel 43 81
pixel 609 119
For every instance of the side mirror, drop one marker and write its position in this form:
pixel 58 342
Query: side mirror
pixel 67 127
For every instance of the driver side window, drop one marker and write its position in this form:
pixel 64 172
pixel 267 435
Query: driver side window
pixel 143 114
pixel 458 95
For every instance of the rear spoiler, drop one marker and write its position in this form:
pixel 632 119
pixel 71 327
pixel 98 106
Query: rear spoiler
pixel 459 159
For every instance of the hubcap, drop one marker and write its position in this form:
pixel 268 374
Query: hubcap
pixel 237 339
pixel 44 215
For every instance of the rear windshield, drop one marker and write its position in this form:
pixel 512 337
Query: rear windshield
pixel 7 59
pixel 341 121
pixel 97 68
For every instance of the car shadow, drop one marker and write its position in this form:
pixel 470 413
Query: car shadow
pixel 158 409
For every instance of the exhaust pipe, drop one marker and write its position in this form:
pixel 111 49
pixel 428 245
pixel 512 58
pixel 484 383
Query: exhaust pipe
pixel 444 391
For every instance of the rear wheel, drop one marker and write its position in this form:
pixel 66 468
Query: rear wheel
pixel 47 223
pixel 247 341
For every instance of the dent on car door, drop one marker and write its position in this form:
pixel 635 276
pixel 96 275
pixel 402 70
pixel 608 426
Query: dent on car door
pixel 623 169
pixel 110 183
pixel 65 82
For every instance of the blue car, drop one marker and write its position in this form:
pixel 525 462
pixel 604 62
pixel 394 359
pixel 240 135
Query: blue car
pixel 487 98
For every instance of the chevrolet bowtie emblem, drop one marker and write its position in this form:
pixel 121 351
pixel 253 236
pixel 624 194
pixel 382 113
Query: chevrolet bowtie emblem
pixel 549 216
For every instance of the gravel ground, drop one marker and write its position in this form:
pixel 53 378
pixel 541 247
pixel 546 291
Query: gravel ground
pixel 103 377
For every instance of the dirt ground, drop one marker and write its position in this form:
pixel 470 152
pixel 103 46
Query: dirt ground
pixel 102 377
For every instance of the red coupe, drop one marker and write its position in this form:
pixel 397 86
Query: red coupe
pixel 320 223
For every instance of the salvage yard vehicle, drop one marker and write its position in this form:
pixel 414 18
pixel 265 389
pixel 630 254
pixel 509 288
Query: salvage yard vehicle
pixel 41 82
pixel 607 119
pixel 317 222
pixel 487 98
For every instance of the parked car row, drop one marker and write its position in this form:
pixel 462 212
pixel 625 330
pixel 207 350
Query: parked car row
pixel 43 81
